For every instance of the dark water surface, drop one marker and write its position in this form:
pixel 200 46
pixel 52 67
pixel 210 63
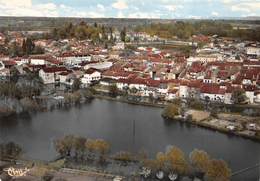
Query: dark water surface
pixel 113 121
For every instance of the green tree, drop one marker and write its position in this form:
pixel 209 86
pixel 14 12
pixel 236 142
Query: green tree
pixel 238 96
pixel 113 90
pixel 76 85
pixel 54 33
pixel 10 150
pixel 14 73
pixel 14 50
pixel 28 46
pixel 123 34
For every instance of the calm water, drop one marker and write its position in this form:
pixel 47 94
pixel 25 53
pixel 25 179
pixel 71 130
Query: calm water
pixel 113 121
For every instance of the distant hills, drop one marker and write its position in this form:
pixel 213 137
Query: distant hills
pixel 43 23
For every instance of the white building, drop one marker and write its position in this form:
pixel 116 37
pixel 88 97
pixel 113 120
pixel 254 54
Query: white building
pixel 36 61
pixel 255 51
pixel 119 46
pixel 204 59
pixel 212 92
pixel 90 76
pixel 50 75
pixel 99 65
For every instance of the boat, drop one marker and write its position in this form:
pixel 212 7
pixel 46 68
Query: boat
pixel 173 176
pixel 160 175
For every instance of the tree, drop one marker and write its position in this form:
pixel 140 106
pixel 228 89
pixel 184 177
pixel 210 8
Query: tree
pixel 10 150
pixel 161 159
pixel 14 73
pixel 238 96
pixel 171 111
pixel 14 50
pixel 123 156
pixel 64 145
pixel 54 33
pixel 113 90
pixel 98 146
pixel 123 35
pixel 27 46
pixel 79 145
pixel 38 50
pixel 76 85
pixel 90 145
pixel 218 171
pixel 200 160
pixel 177 160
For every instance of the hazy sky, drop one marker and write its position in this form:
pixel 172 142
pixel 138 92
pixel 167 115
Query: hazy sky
pixel 131 8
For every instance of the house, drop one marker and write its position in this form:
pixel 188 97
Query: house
pixel 196 71
pixel 98 65
pixel 8 64
pixel 44 60
pixel 91 75
pixel 107 81
pixel 183 91
pixel 250 92
pixel 228 94
pixel 2 38
pixel 204 59
pixel 37 61
pixel 250 76
pixel 171 94
pixel 212 92
pixel 253 51
pixel 4 73
pixel 119 46
pixel 2 65
pixel 50 75
pixel 74 59
pixel 67 78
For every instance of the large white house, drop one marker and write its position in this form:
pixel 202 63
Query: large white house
pixel 204 58
pixel 212 92
pixel 255 51
pixel 90 76
pixel 50 75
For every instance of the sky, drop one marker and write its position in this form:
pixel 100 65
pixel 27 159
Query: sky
pixel 163 9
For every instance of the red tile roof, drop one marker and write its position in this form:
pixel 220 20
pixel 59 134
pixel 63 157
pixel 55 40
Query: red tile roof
pixel 212 89
pixel 54 69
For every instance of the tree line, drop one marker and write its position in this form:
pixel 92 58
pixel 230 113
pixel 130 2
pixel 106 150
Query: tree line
pixel 96 33
pixel 185 30
pixel 173 160
pixel 13 49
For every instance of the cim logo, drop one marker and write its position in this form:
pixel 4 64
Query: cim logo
pixel 16 172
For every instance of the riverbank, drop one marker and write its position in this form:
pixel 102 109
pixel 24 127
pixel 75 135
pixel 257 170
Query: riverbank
pixel 231 124
pixel 123 100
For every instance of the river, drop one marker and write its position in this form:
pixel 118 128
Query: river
pixel 115 121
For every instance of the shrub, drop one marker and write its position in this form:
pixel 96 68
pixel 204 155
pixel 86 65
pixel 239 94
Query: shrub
pixel 171 111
